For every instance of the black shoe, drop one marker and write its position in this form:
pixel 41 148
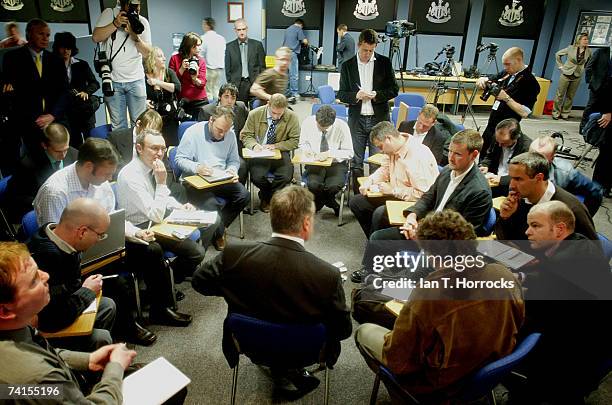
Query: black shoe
pixel 303 380
pixel 180 296
pixel 292 100
pixel 318 205
pixel 358 275
pixel 167 316
pixel 142 336
pixel 333 204
pixel 219 243
pixel 608 194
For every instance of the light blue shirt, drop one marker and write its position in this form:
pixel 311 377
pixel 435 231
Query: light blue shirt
pixel 294 35
pixel 198 147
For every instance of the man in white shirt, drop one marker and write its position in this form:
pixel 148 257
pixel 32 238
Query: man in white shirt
pixel 424 130
pixel 322 136
pixel 213 52
pixel 124 49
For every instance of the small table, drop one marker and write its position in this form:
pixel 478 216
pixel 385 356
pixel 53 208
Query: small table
pixel 377 159
pixel 199 183
pixel 298 158
pixel 395 211
pixel 371 194
pixel 251 154
pixel 90 268
pixel 166 230
pixel 394 306
pixel 82 326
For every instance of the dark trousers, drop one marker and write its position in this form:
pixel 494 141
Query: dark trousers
pixel 361 126
pixel 588 110
pixel 244 90
pixel 392 233
pixel 229 199
pixel 147 261
pixel 280 169
pixel 326 182
pixel 189 254
pixel 79 129
pixel 370 212
pixel 602 173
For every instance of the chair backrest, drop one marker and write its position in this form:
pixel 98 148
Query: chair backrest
pixel 275 344
pixel 256 103
pixel 491 219
pixel 326 94
pixel 171 156
pixel 412 99
pixel 183 127
pixel 3 185
pixel 29 224
pixel 606 245
pixel 460 127
pixel 100 131
pixel 340 109
pixel 413 113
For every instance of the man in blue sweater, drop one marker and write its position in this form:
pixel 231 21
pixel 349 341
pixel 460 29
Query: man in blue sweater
pixel 207 148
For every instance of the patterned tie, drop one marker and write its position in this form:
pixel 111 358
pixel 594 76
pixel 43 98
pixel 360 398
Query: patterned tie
pixel 324 144
pixel 56 165
pixel 38 63
pixel 244 59
pixel 271 134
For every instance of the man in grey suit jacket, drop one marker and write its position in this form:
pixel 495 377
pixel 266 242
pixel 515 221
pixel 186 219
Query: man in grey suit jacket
pixel 239 51
pixel 346 45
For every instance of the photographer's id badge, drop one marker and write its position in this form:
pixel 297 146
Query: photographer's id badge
pixel 495 105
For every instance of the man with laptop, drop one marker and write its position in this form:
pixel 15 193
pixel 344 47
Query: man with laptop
pixel 209 149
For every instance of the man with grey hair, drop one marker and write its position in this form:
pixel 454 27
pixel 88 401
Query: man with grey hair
pixel 530 185
pixel 255 280
pixel 424 130
pixel 324 136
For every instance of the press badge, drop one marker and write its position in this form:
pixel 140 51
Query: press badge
pixel 495 105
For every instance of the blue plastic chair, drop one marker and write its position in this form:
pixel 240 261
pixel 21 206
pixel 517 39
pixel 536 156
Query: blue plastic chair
pixel 8 227
pixel 284 346
pixel 606 245
pixel 491 220
pixel 340 109
pixel 3 185
pixel 256 103
pixel 412 99
pixel 176 171
pixel 326 94
pixel 183 127
pixel 29 224
pixel 477 385
pixel 100 131
pixel 460 127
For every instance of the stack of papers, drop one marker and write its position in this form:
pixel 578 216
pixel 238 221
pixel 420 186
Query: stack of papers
pixel 196 218
pixel 504 254
pixel 261 153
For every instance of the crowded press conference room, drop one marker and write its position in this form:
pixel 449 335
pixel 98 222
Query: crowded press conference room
pixel 305 201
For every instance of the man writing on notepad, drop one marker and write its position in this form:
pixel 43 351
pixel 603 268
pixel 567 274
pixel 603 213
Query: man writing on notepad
pixel 207 148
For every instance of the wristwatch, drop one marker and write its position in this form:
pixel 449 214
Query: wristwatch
pixel 507 99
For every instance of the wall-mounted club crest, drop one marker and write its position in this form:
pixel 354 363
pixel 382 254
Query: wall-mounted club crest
pixel 512 16
pixel 366 9
pixel 12 5
pixel 63 6
pixel 293 8
pixel 439 13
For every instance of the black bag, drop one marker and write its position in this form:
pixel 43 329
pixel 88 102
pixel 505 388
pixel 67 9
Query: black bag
pixel 85 108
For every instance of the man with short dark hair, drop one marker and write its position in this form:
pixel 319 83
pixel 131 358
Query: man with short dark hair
pixel 346 45
pixel 367 83
pixel 293 39
pixel 255 280
pixel 424 130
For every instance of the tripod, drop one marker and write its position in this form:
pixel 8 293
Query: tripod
pixel 491 57
pixel 310 90
pixel 395 53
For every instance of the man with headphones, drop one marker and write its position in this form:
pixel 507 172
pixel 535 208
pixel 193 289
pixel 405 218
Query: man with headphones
pixel 125 46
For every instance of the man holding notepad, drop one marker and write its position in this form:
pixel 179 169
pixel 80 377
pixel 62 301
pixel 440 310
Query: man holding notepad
pixel 209 149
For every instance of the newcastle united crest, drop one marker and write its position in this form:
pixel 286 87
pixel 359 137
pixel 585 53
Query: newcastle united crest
pixel 512 16
pixel 439 13
pixel 293 8
pixel 12 5
pixel 366 9
pixel 63 6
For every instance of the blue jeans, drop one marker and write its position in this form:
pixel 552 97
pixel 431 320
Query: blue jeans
pixel 129 95
pixel 294 75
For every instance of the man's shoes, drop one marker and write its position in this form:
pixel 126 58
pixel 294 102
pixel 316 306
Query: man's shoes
pixel 142 336
pixel 219 243
pixel 264 206
pixel 303 380
pixel 180 296
pixel 608 194
pixel 333 204
pixel 292 100
pixel 318 205
pixel 169 317
pixel 358 275
pixel 555 117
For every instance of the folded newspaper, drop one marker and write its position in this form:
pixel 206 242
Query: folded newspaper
pixel 185 217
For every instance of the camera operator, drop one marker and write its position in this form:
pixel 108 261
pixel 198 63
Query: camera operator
pixel 518 91
pixel 191 71
pixel 125 42
pixel 163 88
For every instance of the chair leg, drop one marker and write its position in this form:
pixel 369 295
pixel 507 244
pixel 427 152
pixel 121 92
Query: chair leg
pixel 234 384
pixel 375 388
pixel 137 295
pixel 171 275
pixel 241 219
pixel 326 400
pixel 340 218
pixel 252 191
pixel 493 398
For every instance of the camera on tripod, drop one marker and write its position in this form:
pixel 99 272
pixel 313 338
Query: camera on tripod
pixel 104 69
pixel 491 89
pixel 399 28
pixel 134 18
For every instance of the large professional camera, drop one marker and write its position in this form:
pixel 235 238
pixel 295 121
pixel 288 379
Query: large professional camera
pixel 492 47
pixel 134 19
pixel 399 28
pixel 491 89
pixel 194 65
pixel 104 69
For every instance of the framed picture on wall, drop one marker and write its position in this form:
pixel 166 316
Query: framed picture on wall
pixel 361 14
pixel 64 11
pixel 234 11
pixel 440 16
pixel 144 11
pixel 282 13
pixel 512 19
pixel 598 26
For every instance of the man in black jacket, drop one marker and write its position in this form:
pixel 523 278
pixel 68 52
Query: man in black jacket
pixel 278 280
pixel 597 74
pixel 367 83
pixel 425 130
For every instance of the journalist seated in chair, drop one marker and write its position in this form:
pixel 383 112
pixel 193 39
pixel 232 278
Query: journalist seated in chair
pixel 424 130
pixel 509 142
pixel 124 140
pixel 564 175
pixel 255 280
pixel 191 71
pixel 163 90
pixel 210 149
pixel 567 291
pixel 323 136
pixel 427 347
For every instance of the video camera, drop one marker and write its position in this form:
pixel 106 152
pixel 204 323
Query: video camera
pixel 449 50
pixel 492 47
pixel 491 89
pixel 399 28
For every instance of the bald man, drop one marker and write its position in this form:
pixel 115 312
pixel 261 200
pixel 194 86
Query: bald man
pixel 519 92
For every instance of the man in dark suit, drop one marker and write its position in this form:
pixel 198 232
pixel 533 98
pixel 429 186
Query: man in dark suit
pixel 529 185
pixel 367 83
pixel 33 171
pixel 255 279
pixel 597 75
pixel 346 45
pixel 425 130
pixel 38 79
pixel 510 141
pixel 245 59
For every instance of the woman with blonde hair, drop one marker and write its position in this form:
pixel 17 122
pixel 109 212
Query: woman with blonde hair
pixel 577 56
pixel 163 89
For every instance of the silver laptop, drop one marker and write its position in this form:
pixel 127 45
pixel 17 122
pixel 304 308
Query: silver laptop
pixel 114 242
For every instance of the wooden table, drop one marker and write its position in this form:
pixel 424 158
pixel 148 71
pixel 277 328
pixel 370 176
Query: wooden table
pixel 378 159
pixel 248 154
pixel 394 306
pixel 82 326
pixel 395 211
pixel 199 183
pixel 166 230
pixel 90 268
pixel 298 158
pixel 371 194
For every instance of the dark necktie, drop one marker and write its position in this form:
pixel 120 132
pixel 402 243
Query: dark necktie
pixel 56 165
pixel 244 60
pixel 271 134
pixel 152 180
pixel 324 144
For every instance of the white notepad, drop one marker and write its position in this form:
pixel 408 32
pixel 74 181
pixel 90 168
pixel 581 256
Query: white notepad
pixel 198 217
pixel 153 384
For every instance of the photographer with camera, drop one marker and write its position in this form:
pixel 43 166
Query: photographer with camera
pixel 127 38
pixel 515 89
pixel 191 71
pixel 163 88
